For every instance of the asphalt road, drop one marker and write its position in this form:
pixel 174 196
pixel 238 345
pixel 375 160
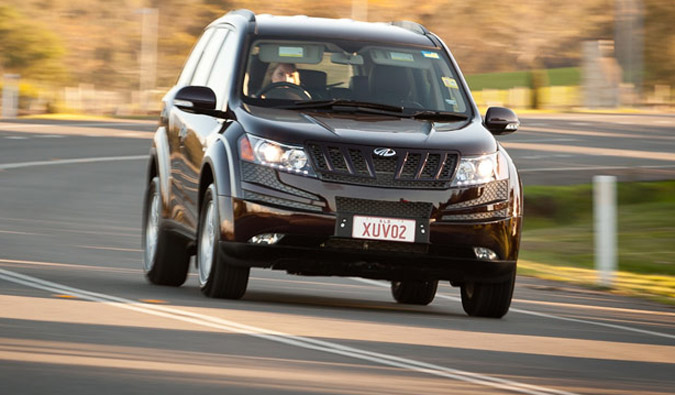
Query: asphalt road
pixel 77 316
pixel 571 148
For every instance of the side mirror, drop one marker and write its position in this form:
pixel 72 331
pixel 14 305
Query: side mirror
pixel 500 120
pixel 196 99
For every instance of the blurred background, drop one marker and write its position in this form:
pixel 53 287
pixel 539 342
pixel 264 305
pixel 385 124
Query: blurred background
pixel 119 57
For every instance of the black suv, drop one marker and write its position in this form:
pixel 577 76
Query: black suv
pixel 333 148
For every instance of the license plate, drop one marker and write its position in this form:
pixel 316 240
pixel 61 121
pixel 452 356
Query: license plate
pixel 381 228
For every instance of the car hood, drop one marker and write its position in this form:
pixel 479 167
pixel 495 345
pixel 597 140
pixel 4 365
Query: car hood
pixel 299 127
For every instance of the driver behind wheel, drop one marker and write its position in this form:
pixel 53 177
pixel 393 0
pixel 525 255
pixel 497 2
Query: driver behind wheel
pixel 277 82
pixel 282 72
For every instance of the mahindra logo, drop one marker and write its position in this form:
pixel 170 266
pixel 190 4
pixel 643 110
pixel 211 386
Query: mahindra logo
pixel 384 152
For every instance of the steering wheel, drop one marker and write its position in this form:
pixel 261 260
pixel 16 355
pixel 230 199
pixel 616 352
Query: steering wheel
pixel 285 89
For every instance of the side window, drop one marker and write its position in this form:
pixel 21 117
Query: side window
pixel 220 79
pixel 206 62
pixel 195 55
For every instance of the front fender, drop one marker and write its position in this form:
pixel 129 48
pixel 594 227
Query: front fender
pixel 220 166
pixel 221 159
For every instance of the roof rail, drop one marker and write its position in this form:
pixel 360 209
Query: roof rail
pixel 412 26
pixel 247 14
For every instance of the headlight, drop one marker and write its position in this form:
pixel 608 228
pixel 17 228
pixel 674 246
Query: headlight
pixel 474 170
pixel 292 159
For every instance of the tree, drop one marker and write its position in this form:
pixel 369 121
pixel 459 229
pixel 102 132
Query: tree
pixel 659 42
pixel 27 48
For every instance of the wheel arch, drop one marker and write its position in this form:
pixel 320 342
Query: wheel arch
pixel 205 179
pixel 218 167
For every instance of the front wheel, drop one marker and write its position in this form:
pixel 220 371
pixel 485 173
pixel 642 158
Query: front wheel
pixel 487 299
pixel 414 292
pixel 166 260
pixel 217 278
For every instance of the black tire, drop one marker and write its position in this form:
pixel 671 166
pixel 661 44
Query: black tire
pixel 414 292
pixel 166 260
pixel 220 279
pixel 488 300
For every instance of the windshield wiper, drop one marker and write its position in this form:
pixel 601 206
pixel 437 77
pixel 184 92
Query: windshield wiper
pixel 354 105
pixel 439 115
pixel 376 108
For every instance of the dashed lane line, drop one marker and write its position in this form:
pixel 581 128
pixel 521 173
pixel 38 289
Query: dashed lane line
pixel 6 166
pixel 280 337
pixel 76 124
pixel 572 149
pixel 612 135
pixel 81 129
pixel 593 168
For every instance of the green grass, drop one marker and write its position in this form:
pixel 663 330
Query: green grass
pixel 557 242
pixel 558 227
pixel 566 76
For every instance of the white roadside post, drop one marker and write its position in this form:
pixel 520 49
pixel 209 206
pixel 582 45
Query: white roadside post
pixel 148 58
pixel 10 96
pixel 604 213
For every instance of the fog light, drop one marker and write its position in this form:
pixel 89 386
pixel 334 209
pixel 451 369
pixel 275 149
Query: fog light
pixel 485 254
pixel 266 238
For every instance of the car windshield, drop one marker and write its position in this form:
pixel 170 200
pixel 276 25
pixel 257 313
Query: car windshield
pixel 306 74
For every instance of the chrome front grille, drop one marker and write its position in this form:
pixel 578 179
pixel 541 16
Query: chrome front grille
pixel 409 168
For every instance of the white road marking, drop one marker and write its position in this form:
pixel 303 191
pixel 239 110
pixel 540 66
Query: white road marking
pixel 78 225
pixel 594 168
pixel 546 156
pixel 18 233
pixel 592 151
pixel 625 134
pixel 14 262
pixel 109 248
pixel 5 166
pixel 537 314
pixel 90 130
pixel 78 124
pixel 558 140
pixel 39 136
pixel 279 337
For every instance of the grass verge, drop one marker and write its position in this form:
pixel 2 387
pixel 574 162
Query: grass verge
pixel 566 76
pixel 557 240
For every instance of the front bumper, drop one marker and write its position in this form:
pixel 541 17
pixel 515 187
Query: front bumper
pixel 325 261
pixel 313 246
pixel 306 211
